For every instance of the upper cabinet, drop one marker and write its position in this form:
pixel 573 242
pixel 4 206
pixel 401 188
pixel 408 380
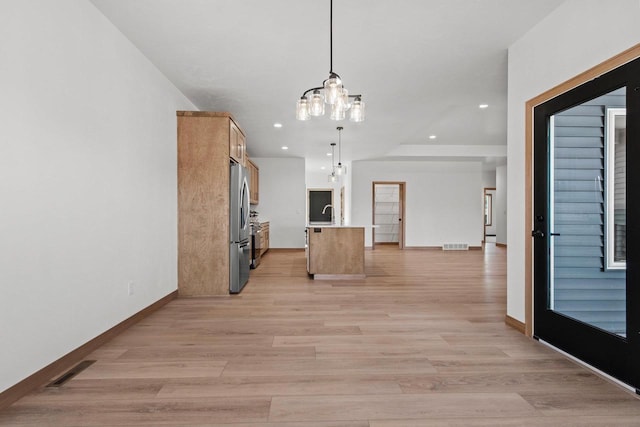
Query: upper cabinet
pixel 254 183
pixel 237 144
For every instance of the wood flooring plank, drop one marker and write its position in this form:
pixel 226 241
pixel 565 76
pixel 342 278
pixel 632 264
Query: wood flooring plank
pixel 152 369
pixel 480 364
pixel 258 327
pixel 389 339
pixel 411 327
pixel 281 386
pixel 376 407
pixel 139 412
pixel 515 382
pixel 208 352
pixel 177 338
pixel 100 390
pixel 420 351
pixel 329 367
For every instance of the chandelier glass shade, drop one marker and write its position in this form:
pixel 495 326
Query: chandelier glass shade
pixel 357 111
pixel 332 87
pixel 332 92
pixel 337 113
pixel 316 104
pixel 302 109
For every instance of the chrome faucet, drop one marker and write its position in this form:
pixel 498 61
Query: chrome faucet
pixel 325 208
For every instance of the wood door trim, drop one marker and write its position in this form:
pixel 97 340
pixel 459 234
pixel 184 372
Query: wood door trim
pixel 484 226
pixel 590 74
pixel 403 202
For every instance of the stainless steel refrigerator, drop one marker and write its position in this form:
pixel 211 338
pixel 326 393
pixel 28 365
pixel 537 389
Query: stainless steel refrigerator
pixel 239 229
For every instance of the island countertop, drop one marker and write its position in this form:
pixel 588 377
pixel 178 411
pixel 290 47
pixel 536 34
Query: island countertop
pixel 335 252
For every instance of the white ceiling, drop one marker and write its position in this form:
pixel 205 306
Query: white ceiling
pixel 422 66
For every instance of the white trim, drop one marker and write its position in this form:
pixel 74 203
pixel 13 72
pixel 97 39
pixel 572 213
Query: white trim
pixel 552 163
pixel 610 170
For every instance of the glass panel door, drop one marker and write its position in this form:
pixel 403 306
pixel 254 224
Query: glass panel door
pixel 585 260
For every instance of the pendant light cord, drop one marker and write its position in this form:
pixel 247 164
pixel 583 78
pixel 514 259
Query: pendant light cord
pixel 333 155
pixel 331 37
pixel 339 147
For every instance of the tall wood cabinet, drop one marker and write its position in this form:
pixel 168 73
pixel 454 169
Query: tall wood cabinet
pixel 206 141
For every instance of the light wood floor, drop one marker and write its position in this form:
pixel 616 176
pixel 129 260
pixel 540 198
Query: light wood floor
pixel 420 342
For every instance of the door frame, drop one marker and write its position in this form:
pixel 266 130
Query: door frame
pixel 602 68
pixel 401 210
pixel 484 225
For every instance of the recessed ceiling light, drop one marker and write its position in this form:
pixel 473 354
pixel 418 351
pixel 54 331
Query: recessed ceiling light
pixel 329 154
pixel 483 106
pixel 432 137
pixel 284 147
pixel 322 168
pixel 277 125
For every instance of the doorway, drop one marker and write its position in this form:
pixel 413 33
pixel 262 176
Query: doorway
pixel 388 214
pixel 488 215
pixel 586 210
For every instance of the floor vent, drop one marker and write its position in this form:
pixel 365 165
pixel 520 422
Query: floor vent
pixel 455 247
pixel 71 373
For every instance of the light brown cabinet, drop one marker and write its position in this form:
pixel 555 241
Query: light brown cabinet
pixel 204 143
pixel 237 144
pixel 254 182
pixel 264 237
pixel 335 252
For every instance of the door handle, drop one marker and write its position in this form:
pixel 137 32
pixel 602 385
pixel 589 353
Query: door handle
pixel 537 233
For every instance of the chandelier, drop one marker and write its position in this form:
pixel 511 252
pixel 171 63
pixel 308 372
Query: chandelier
pixel 332 92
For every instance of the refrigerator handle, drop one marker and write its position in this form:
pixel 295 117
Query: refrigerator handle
pixel 244 207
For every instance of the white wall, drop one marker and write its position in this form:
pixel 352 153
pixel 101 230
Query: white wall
pixel 489 179
pixel 87 181
pixel 441 199
pixel 575 37
pixel 500 205
pixel 282 200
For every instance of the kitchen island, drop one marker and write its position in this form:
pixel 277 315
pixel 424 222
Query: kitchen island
pixel 335 252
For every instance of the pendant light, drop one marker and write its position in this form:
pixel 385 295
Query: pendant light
pixel 332 92
pixel 340 169
pixel 332 176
